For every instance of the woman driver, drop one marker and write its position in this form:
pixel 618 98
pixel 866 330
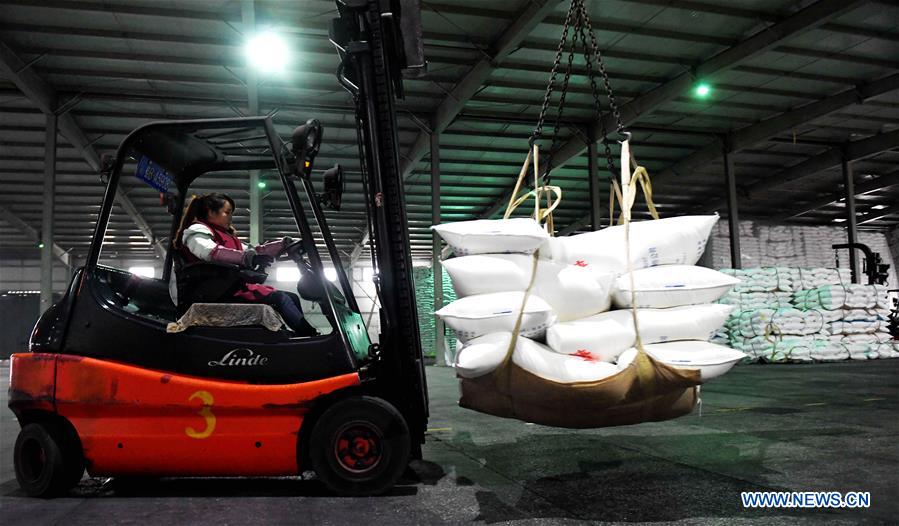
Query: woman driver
pixel 206 234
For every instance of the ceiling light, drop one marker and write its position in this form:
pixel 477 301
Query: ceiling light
pixel 267 52
pixel 261 184
pixel 703 90
pixel 839 220
pixel 878 207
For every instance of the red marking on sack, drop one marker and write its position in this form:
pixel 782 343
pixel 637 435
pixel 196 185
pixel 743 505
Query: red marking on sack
pixel 580 263
pixel 585 354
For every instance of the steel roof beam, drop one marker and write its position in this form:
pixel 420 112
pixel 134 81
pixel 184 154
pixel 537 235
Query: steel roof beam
pixel 32 234
pixel 751 135
pixel 880 214
pixel 44 96
pixel 852 151
pixel 469 85
pixel 806 19
pixel 881 183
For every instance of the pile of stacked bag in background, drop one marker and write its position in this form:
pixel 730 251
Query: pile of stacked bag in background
pixel 577 325
pixel 788 314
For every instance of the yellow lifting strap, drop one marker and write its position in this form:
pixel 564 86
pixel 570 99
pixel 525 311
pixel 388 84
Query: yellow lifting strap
pixel 641 177
pixel 552 194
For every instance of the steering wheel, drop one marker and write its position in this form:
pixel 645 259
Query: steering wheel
pixel 292 252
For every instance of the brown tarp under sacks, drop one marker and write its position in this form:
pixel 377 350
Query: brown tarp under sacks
pixel 645 391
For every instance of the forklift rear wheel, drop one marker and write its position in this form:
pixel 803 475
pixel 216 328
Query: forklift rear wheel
pixel 39 463
pixel 360 446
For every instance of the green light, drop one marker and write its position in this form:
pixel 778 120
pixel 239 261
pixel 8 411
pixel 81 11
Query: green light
pixel 261 184
pixel 703 90
pixel 40 245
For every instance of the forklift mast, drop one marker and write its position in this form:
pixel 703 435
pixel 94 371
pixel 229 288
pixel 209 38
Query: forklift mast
pixel 379 41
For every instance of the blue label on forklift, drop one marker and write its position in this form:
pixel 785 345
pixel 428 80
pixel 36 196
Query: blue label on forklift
pixel 153 174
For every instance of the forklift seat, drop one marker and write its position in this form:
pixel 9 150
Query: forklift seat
pixel 228 315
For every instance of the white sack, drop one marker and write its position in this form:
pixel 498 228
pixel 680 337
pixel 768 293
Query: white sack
pixel 492 236
pixel 486 313
pixel 572 291
pixel 712 360
pixel 670 241
pixel 487 274
pixel 482 355
pixel 543 362
pixel 672 286
pixel 607 335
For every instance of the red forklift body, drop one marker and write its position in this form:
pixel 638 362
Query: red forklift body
pixel 134 421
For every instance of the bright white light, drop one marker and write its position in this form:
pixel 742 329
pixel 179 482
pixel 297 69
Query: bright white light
pixel 331 274
pixel 267 52
pixel 839 220
pixel 147 272
pixel 421 263
pixel 287 274
pixel 368 274
pixel 878 207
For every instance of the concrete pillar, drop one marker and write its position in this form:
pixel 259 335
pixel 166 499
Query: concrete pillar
pixel 47 217
pixel 593 177
pixel 851 226
pixel 733 219
pixel 436 267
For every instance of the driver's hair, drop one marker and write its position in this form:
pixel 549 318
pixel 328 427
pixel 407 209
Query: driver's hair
pixel 199 208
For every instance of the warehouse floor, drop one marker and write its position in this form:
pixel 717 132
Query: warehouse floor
pixel 781 428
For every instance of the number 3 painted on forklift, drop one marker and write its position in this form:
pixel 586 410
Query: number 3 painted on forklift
pixel 206 413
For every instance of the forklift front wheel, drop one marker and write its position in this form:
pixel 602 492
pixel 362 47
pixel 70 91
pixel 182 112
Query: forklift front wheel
pixel 360 446
pixel 39 463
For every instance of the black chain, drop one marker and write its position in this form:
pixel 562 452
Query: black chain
pixel 538 131
pixel 602 67
pixel 577 11
pixel 597 107
pixel 547 179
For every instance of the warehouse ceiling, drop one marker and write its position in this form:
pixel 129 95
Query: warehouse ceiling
pixel 795 88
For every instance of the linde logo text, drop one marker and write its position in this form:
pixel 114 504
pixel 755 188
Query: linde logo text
pixel 240 357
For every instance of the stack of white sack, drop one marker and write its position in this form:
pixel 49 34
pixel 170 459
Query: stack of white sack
pixel 483 355
pixel 831 297
pixel 758 300
pixel 776 322
pixel 869 346
pixel 764 279
pixel 577 280
pixel 810 278
pixel 823 321
pixel 863 332
pixel 791 349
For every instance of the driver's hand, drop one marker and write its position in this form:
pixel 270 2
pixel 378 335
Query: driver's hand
pixel 286 242
pixel 262 260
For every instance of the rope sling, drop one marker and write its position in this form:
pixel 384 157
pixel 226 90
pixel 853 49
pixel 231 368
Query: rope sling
pixel 644 391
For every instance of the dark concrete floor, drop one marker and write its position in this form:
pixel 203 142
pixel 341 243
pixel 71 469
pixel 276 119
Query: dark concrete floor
pixel 782 428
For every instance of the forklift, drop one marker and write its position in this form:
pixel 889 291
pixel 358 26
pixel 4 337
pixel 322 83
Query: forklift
pixel 104 386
